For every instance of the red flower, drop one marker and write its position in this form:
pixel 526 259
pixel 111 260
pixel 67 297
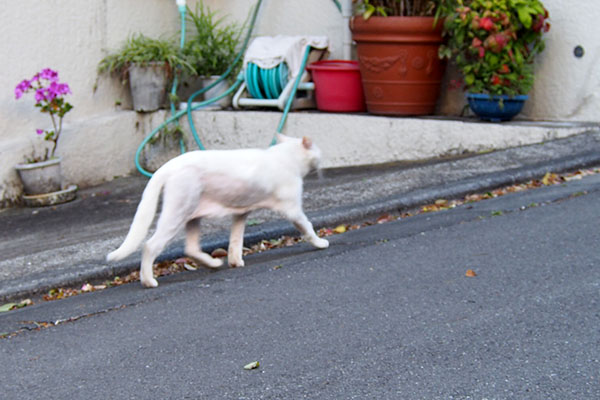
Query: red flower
pixel 496 80
pixel 496 42
pixel 504 69
pixel 476 42
pixel 481 52
pixel 501 39
pixel 538 24
pixel 486 23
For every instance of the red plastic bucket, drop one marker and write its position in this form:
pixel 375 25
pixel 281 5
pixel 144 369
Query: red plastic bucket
pixel 338 86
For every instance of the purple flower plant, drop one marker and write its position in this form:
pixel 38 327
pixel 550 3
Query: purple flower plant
pixel 49 98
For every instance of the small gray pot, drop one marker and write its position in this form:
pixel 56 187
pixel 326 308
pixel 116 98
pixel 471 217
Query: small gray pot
pixel 41 177
pixel 216 91
pixel 148 85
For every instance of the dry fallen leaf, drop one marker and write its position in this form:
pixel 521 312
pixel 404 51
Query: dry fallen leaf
pixel 470 273
pixel 340 229
pixel 7 307
pixel 252 365
pixel 189 267
pixel 219 253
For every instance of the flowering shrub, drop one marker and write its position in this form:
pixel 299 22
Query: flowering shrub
pixel 49 98
pixel 494 42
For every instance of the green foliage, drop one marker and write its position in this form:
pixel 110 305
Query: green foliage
pixel 494 43
pixel 142 50
pixel 212 45
pixel 403 8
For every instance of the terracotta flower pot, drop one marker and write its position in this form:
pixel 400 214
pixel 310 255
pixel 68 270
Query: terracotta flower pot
pixel 399 64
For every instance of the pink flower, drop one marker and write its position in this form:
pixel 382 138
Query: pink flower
pixel 22 88
pixel 49 74
pixel 39 131
pixel 63 88
pixel 40 95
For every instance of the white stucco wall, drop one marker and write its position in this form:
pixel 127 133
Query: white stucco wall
pixel 567 87
pixel 100 138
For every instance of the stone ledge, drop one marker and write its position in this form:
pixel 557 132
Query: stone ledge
pixel 98 149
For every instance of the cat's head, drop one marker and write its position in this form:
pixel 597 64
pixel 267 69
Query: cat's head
pixel 311 154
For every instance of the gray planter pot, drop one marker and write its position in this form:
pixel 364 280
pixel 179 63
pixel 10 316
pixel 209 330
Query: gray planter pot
pixel 148 85
pixel 215 91
pixel 41 177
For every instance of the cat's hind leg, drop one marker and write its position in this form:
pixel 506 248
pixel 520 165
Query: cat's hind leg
pixel 179 201
pixel 236 241
pixel 192 245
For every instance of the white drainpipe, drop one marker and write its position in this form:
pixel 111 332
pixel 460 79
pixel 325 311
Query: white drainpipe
pixel 347 36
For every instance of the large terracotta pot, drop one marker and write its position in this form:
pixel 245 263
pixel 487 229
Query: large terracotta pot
pixel 399 64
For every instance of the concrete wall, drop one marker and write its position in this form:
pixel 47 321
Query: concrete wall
pixel 100 137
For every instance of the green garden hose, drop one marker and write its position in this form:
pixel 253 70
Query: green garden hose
pixel 176 115
pixel 182 12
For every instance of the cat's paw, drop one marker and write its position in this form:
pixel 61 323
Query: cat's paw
pixel 236 263
pixel 149 282
pixel 212 262
pixel 205 259
pixel 320 243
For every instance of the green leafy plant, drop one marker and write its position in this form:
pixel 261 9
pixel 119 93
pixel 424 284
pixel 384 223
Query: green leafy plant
pixel 212 45
pixel 143 50
pixel 403 8
pixel 494 43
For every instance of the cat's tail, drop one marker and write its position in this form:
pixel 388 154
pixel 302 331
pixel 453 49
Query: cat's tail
pixel 143 217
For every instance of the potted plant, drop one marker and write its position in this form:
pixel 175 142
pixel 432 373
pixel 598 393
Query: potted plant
pixel 494 43
pixel 211 48
pixel 148 65
pixel 397 44
pixel 41 175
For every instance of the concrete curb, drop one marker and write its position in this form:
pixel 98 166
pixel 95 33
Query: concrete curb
pixel 71 276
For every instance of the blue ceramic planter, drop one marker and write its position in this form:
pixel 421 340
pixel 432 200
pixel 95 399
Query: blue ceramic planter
pixel 490 108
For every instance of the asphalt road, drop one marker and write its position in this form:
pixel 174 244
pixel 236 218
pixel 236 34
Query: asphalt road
pixel 385 313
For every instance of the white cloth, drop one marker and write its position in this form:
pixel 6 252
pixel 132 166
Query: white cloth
pixel 269 51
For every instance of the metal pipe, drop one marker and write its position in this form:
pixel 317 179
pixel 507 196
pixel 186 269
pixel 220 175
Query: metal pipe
pixel 347 35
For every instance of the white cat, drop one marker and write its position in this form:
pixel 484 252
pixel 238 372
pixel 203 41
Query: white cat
pixel 216 183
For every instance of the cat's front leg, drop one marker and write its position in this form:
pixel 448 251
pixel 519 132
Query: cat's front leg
pixel 301 222
pixel 236 241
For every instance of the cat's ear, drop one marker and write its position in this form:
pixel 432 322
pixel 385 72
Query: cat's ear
pixel 306 142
